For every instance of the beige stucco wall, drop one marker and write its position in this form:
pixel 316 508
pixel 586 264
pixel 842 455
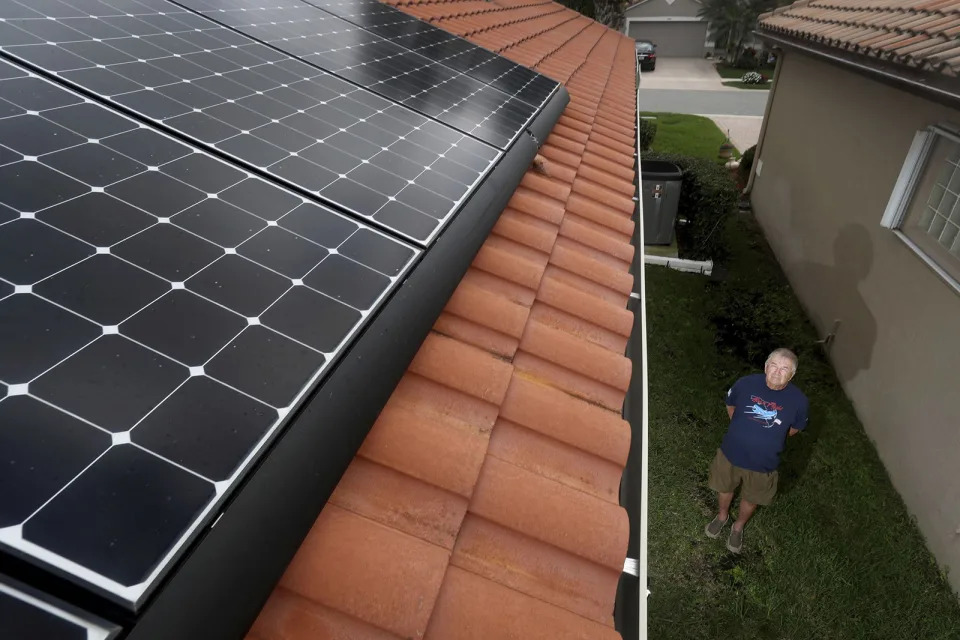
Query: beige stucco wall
pixel 834 146
pixel 662 8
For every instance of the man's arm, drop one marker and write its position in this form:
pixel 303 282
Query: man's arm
pixel 730 411
pixel 793 431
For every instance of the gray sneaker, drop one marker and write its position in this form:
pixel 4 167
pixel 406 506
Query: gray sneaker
pixel 735 541
pixel 715 526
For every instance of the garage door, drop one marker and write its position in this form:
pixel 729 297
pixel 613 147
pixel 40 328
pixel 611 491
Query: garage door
pixel 673 39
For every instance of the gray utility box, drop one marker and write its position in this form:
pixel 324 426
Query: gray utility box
pixel 660 190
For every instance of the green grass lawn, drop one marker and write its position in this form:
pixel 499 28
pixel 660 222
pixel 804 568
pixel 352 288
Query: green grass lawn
pixel 836 557
pixel 743 85
pixel 686 134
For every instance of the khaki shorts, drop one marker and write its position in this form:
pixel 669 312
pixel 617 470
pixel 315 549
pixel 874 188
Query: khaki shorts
pixel 758 487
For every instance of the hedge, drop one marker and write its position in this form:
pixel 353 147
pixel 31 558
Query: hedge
pixel 708 196
pixel 646 132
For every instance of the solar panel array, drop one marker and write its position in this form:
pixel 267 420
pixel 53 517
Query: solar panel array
pixel 389 69
pixel 201 205
pixel 436 44
pixel 162 311
pixel 258 105
pixel 27 616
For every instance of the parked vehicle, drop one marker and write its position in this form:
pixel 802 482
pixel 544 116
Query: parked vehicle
pixel 646 55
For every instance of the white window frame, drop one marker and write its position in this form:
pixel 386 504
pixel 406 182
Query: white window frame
pixel 905 190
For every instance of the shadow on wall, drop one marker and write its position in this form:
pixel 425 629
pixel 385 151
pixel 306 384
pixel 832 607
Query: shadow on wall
pixel 833 293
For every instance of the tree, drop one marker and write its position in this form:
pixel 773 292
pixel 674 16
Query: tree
pixel 731 21
pixel 583 6
pixel 610 13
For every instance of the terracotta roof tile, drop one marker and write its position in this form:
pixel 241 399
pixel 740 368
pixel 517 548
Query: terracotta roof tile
pixel 490 481
pixel 567 380
pixel 546 572
pixel 397 500
pixel 914 34
pixel 556 460
pixel 293 617
pixel 370 571
pixel 463 612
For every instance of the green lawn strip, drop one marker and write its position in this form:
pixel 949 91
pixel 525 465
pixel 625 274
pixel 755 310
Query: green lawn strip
pixel 727 72
pixel 687 134
pixel 837 555
pixel 743 85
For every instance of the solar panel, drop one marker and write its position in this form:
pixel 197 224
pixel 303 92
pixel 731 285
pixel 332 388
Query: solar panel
pixel 393 71
pixel 162 313
pixel 260 106
pixel 30 616
pixel 444 47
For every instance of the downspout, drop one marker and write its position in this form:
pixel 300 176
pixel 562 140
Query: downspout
pixel 763 125
pixel 704 267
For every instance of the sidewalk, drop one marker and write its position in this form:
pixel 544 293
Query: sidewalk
pixel 744 131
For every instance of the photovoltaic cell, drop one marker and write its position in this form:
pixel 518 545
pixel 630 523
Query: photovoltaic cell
pixel 263 107
pixel 161 313
pixel 32 616
pixel 446 48
pixel 394 71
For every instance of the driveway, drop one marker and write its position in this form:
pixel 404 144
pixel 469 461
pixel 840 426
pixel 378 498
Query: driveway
pixel 692 85
pixel 692 74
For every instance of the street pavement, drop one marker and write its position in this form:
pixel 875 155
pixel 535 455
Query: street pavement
pixel 731 102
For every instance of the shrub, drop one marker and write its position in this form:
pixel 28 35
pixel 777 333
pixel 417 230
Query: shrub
pixel 708 197
pixel 646 132
pixel 752 77
pixel 746 163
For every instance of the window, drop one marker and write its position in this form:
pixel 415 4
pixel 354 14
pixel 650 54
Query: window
pixel 924 209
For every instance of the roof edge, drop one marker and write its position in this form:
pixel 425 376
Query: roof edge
pixel 934 86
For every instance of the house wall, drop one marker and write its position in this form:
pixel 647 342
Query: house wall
pixel 664 9
pixel 834 146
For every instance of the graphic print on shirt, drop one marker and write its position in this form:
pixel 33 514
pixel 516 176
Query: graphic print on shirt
pixel 764 412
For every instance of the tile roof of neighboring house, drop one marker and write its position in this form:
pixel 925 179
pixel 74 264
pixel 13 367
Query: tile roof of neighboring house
pixel 923 34
pixel 484 502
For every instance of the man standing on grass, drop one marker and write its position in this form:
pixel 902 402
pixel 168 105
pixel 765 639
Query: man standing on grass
pixel 763 409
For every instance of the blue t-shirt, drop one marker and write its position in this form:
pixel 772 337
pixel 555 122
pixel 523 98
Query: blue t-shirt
pixel 761 418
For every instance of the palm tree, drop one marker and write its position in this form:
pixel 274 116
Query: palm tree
pixel 731 21
pixel 610 13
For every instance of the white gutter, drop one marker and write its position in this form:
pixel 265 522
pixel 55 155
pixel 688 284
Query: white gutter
pixel 704 267
pixel 644 437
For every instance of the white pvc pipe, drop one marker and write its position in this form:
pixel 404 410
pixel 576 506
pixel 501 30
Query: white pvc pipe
pixel 704 267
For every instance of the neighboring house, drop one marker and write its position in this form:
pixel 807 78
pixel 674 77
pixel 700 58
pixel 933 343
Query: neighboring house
pixel 673 25
pixel 484 502
pixel 857 187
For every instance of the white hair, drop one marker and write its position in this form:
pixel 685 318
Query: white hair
pixel 784 353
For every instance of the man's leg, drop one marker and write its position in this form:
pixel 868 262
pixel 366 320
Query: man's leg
pixel 744 513
pixel 724 500
pixel 723 481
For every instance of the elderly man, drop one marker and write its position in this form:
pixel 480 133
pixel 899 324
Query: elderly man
pixel 763 409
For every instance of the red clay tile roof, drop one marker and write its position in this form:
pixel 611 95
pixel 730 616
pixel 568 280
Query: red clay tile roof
pixel 923 34
pixel 484 502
